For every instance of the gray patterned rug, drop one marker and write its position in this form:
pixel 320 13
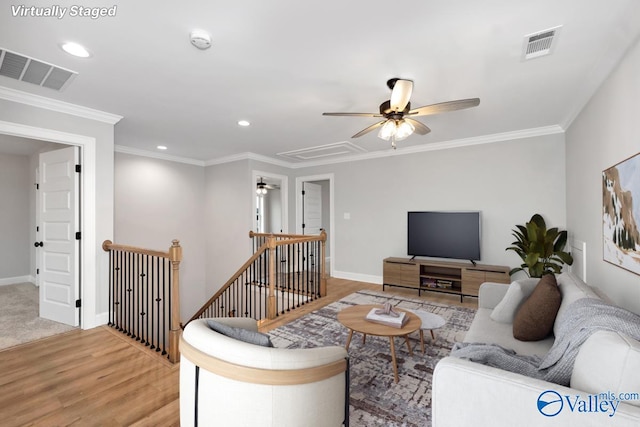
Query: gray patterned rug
pixel 376 400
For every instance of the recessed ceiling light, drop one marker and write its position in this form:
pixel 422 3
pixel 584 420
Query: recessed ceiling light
pixel 243 123
pixel 75 49
pixel 161 147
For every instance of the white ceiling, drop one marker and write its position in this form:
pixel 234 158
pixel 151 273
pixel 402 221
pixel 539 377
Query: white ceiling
pixel 281 63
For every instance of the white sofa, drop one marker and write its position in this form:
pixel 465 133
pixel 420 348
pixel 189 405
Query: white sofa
pixel 227 382
pixel 466 393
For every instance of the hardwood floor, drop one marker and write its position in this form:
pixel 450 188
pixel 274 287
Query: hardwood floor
pixel 98 377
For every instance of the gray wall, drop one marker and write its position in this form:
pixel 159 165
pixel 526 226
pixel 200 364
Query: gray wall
pixel 229 190
pixel 157 201
pixel 507 181
pixel 15 189
pixel 605 133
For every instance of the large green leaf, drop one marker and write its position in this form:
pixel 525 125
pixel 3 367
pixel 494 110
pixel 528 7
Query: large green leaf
pixel 565 257
pixel 551 235
pixel 531 259
pixel 539 221
pixel 532 232
pixel 561 242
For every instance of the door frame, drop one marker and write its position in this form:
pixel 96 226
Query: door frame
pixel 284 196
pixel 311 178
pixel 88 244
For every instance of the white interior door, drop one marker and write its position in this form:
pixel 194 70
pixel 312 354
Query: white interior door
pixel 311 208
pixel 58 248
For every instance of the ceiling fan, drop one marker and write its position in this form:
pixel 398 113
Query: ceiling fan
pixel 398 116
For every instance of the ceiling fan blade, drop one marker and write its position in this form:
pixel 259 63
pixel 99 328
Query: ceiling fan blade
pixel 353 114
pixel 419 127
pixel 369 129
pixel 444 107
pixel 401 94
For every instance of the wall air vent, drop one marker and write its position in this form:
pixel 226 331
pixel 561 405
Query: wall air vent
pixel 30 70
pixel 540 43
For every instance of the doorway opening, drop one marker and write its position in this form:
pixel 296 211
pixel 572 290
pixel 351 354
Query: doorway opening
pixel 88 248
pixel 315 210
pixel 271 204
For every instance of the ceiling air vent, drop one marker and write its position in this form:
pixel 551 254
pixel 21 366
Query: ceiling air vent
pixel 26 69
pixel 540 43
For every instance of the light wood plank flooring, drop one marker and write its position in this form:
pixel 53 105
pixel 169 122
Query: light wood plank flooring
pixel 98 377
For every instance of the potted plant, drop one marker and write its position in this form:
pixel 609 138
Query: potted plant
pixel 541 249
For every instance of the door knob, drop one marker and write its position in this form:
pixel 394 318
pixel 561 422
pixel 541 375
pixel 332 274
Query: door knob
pixel 36 244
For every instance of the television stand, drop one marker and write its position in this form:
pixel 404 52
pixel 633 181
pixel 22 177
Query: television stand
pixel 456 278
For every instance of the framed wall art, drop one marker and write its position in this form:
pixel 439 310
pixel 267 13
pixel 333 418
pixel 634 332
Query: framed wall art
pixel 621 214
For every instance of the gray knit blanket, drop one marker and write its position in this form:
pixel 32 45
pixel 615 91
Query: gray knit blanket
pixel 582 318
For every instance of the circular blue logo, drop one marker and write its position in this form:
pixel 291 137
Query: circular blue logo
pixel 550 403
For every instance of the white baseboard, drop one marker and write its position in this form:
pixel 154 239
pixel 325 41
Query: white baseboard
pixel 101 319
pixel 368 278
pixel 18 279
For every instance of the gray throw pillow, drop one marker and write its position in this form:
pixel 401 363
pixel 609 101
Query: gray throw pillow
pixel 245 335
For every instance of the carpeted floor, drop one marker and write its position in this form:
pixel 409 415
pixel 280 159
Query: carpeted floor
pixel 376 400
pixel 19 321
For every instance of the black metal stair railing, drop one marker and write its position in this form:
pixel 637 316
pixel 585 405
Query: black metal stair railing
pixel 144 297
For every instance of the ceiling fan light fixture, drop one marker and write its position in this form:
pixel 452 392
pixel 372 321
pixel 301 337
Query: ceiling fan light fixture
pixel 261 188
pixel 403 130
pixel 387 130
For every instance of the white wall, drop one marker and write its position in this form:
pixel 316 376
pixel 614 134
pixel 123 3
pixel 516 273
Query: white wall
pixel 507 181
pixel 15 189
pixel 605 133
pixel 157 201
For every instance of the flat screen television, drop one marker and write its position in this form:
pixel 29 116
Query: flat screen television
pixel 444 234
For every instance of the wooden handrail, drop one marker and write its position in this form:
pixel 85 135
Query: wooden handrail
pixel 292 238
pixel 108 245
pixel 271 243
pixel 224 287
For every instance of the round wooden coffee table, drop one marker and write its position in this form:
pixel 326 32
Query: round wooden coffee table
pixel 353 318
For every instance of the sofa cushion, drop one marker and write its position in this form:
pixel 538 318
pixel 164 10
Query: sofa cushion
pixel 516 295
pixel 535 318
pixel 572 289
pixel 608 361
pixel 485 330
pixel 245 335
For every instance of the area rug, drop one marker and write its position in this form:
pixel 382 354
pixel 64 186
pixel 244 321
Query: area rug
pixel 19 321
pixel 375 399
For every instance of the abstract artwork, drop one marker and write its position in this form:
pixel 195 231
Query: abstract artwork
pixel 621 214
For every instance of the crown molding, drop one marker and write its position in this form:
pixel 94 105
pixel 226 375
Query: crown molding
pixel 154 155
pixel 444 145
pixel 58 106
pixel 249 156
